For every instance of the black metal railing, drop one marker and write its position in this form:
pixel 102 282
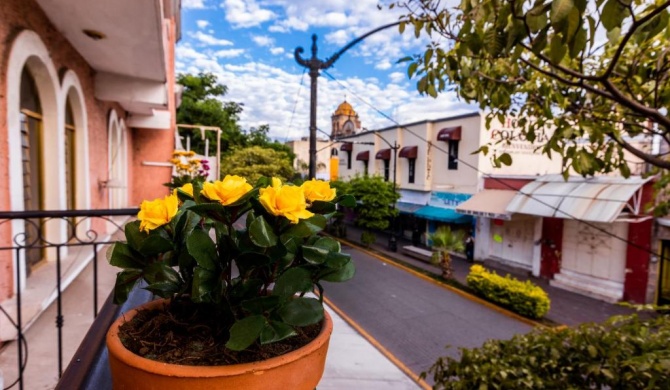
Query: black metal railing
pixel 41 232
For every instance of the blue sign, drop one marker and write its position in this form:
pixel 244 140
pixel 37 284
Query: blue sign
pixel 448 200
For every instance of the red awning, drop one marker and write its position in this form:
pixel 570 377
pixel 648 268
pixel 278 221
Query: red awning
pixel 384 154
pixel 449 134
pixel 347 147
pixel 363 156
pixel 409 152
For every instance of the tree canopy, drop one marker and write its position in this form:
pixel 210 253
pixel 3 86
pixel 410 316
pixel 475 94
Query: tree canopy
pixel 255 161
pixel 594 73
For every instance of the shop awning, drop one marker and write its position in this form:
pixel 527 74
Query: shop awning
pixel 442 214
pixel 409 152
pixel 488 204
pixel 384 154
pixel 449 134
pixel 363 156
pixel 347 147
pixel 408 208
pixel 598 199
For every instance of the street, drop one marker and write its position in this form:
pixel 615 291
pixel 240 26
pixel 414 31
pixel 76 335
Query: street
pixel 412 318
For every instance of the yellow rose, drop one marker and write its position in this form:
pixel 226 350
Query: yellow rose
pixel 187 188
pixel 318 190
pixel 286 201
pixel 228 191
pixel 157 212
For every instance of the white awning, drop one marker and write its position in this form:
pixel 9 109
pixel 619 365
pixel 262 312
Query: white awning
pixel 488 204
pixel 597 199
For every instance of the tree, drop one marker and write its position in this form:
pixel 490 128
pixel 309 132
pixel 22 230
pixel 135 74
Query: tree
pixel 446 240
pixel 201 105
pixel 375 204
pixel 259 136
pixel 595 73
pixel 256 161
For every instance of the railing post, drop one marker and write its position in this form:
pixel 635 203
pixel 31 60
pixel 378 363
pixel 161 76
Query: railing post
pixel 59 313
pixel 19 320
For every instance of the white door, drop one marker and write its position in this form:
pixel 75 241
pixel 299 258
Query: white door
pixel 512 240
pixel 591 250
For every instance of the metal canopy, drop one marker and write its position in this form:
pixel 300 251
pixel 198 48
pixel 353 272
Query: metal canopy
pixel 488 204
pixel 441 214
pixel 363 156
pixel 384 154
pixel 409 152
pixel 449 134
pixel 347 147
pixel 598 199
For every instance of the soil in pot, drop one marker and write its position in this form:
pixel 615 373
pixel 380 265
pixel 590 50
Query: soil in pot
pixel 182 334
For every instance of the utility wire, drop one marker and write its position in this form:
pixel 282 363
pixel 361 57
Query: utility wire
pixel 295 104
pixel 486 175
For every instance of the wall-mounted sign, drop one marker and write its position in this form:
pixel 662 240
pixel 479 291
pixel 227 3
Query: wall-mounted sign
pixel 448 200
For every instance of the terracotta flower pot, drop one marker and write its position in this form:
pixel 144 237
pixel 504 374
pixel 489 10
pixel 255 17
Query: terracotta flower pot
pixel 296 370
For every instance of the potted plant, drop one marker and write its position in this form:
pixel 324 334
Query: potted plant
pixel 445 240
pixel 233 264
pixel 187 168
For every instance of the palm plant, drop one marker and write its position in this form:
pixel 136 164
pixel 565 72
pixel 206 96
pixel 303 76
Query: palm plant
pixel 444 241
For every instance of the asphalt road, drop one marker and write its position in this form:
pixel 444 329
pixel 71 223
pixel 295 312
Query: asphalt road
pixel 412 318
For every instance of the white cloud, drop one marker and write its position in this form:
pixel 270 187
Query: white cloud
pixel 228 53
pixel 263 40
pixel 277 50
pixel 383 64
pixel 209 40
pixel 193 4
pixel 397 77
pixel 202 23
pixel 245 13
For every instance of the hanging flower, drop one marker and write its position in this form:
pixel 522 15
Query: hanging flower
pixel 318 190
pixel 228 191
pixel 286 201
pixel 157 212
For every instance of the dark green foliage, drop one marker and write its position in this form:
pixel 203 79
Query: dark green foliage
pixel 376 198
pixel 257 161
pixel 623 353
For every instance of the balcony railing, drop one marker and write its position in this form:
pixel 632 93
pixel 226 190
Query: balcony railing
pixel 50 236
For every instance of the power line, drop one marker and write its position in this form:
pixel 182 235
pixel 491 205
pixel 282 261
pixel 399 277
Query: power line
pixel 486 175
pixel 295 104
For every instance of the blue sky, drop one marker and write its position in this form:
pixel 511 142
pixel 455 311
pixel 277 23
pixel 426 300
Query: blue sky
pixel 249 45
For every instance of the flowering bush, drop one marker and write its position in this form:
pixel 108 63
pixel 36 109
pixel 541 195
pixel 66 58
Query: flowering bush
pixel 524 298
pixel 188 168
pixel 248 253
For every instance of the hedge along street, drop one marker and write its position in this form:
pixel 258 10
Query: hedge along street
pixel 415 319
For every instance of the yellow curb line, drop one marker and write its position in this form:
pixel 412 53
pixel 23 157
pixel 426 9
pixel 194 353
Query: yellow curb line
pixel 462 293
pixel 378 345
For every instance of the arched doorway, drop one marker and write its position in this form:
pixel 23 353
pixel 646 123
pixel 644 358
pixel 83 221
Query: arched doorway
pixel 118 167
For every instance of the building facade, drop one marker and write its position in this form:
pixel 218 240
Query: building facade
pixel 87 115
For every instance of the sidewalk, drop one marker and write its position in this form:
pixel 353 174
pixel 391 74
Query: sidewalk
pixel 567 308
pixel 352 362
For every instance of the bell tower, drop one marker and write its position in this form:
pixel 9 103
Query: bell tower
pixel 345 121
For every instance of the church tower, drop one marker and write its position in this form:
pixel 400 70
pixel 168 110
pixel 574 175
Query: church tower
pixel 345 121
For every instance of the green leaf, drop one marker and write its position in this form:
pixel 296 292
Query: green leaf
pixel 260 305
pixel 154 245
pixel 328 244
pixel 560 10
pixel 292 281
pixel 244 332
pixel 322 207
pixel 161 272
pixel 261 233
pixel 276 331
pixel 202 248
pixel 613 14
pixel 125 281
pixel 204 283
pixel 133 234
pixel 341 275
pixel 313 254
pixel 557 49
pixel 301 311
pixel 306 227
pixel 347 201
pixel 163 289
pixel 120 255
pixel 337 260
pixel 506 159
pixel 412 69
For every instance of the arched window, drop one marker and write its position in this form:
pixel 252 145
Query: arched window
pixel 70 158
pixel 117 163
pixel 31 158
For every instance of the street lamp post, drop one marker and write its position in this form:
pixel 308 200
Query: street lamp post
pixel 393 242
pixel 315 65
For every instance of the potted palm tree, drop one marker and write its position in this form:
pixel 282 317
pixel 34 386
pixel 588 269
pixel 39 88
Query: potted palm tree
pixel 234 265
pixel 445 241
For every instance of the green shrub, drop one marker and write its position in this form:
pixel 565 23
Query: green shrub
pixel 623 353
pixel 368 238
pixel 524 298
